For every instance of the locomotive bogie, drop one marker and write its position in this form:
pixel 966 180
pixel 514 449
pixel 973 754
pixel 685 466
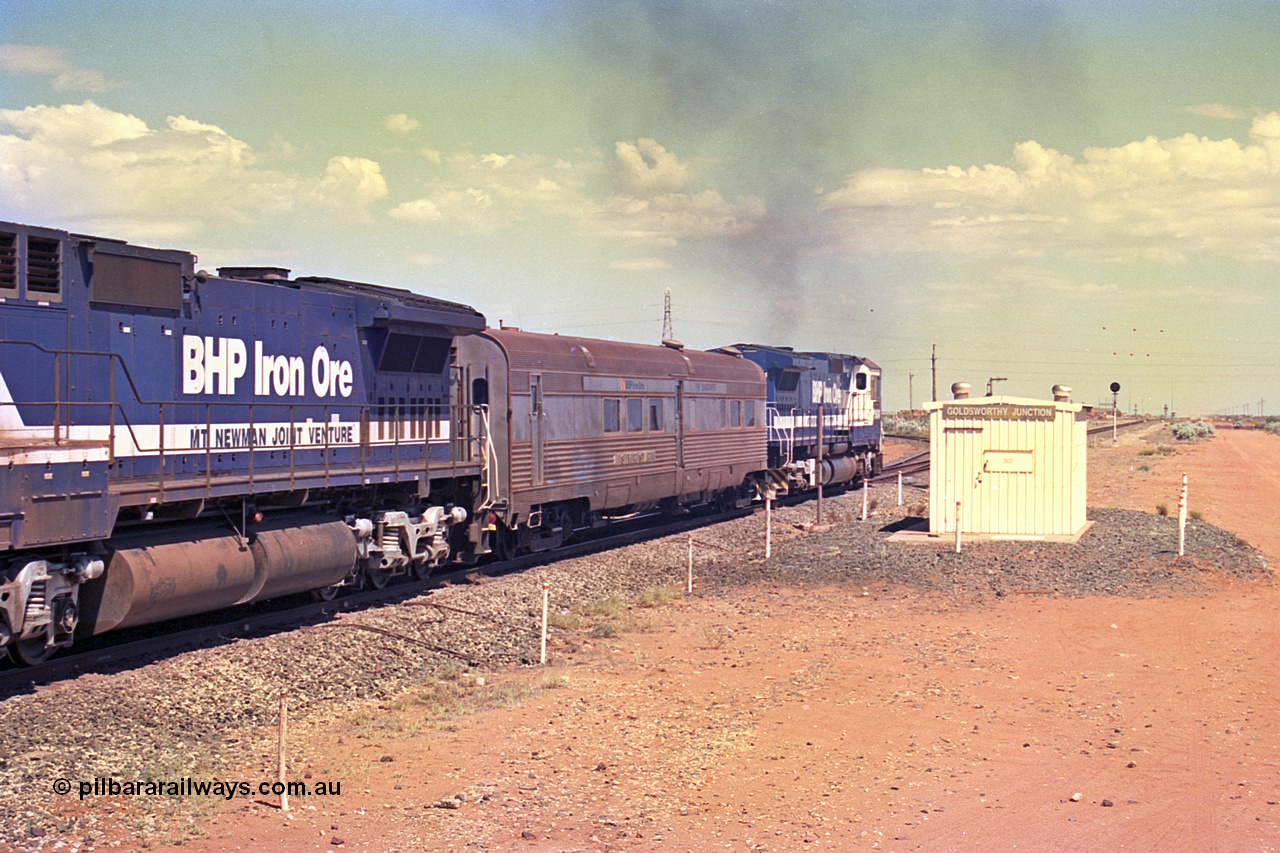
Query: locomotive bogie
pixel 398 542
pixel 39 606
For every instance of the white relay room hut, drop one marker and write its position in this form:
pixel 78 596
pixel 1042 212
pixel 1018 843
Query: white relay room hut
pixel 1015 466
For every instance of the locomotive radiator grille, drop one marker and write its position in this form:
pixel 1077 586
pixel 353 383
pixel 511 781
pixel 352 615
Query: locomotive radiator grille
pixel 37 604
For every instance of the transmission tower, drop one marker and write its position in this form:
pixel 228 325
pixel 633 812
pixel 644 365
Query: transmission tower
pixel 668 334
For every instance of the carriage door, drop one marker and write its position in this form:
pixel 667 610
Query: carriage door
pixel 536 421
pixel 680 424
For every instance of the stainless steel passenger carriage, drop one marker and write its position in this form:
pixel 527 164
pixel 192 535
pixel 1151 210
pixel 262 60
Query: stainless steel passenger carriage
pixel 588 428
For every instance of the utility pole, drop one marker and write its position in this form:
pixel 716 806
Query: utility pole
pixel 668 333
pixel 934 360
pixel 911 392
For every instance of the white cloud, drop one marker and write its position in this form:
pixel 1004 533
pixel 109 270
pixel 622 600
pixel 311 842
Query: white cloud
pixel 84 166
pixel 644 167
pixel 422 210
pixel 349 186
pixel 665 220
pixel 1221 111
pixel 74 126
pixel 52 62
pixel 401 123
pixel 640 264
pixel 480 193
pixel 1155 199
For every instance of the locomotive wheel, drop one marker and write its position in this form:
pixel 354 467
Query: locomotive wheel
pixel 377 578
pixel 30 652
pixel 328 593
pixel 421 570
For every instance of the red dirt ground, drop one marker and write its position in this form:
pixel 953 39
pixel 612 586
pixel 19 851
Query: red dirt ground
pixel 780 719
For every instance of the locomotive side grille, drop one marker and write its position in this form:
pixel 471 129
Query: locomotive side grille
pixel 44 265
pixel 8 261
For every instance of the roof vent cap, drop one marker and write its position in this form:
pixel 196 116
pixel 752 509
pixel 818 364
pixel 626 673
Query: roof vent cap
pixel 1061 393
pixel 960 390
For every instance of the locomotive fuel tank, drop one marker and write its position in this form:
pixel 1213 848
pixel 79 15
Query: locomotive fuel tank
pixel 154 576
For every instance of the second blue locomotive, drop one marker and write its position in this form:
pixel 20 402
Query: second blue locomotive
pixel 823 416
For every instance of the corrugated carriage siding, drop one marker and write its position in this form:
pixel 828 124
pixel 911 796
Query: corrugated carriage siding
pixel 645 463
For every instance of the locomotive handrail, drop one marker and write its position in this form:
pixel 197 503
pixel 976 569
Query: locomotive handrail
pixel 62 423
pixel 490 455
pixel 785 435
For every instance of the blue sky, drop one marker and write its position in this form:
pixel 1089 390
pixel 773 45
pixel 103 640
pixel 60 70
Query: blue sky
pixel 1050 192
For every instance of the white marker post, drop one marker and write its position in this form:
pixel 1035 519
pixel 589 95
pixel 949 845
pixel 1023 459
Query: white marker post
pixel 1182 518
pixel 957 527
pixel 690 585
pixel 546 598
pixel 864 500
pixel 768 524
pixel 899 488
pixel 284 718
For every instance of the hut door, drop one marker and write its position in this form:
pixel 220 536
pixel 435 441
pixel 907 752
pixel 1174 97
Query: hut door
pixel 536 420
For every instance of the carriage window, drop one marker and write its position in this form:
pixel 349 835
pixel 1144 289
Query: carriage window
pixel 656 423
pixel 479 392
pixel 735 413
pixel 749 412
pixel 861 382
pixel 612 420
pixel 723 418
pixel 635 415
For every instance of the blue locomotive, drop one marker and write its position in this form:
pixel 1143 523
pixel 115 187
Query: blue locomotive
pixel 811 394
pixel 298 432
pixel 174 442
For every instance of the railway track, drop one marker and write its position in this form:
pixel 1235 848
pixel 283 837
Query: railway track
pixel 146 644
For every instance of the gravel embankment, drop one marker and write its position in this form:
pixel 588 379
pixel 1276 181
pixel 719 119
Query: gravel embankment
pixel 190 714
